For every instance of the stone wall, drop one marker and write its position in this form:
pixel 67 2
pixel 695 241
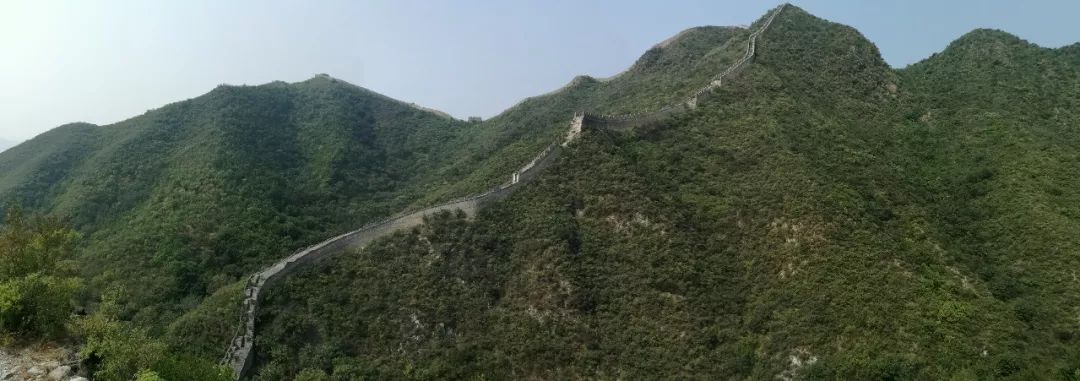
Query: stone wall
pixel 240 350
pixel 639 119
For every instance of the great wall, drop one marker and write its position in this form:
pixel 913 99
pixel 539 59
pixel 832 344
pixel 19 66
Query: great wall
pixel 240 350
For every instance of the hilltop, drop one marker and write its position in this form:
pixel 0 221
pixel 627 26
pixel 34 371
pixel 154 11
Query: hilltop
pixel 186 198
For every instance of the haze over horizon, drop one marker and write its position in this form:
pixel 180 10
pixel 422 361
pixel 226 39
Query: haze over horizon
pixel 103 63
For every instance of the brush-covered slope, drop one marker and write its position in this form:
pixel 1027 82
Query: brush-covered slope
pixel 825 217
pixel 197 194
pixel 180 203
pixel 665 74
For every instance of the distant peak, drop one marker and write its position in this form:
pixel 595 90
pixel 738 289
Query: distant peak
pixel 686 32
pixel 322 78
pixel 78 125
pixel 69 128
pixel 794 12
pixel 582 79
pixel 1073 48
pixel 987 35
pixel 985 42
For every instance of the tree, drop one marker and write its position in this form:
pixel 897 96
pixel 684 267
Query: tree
pixel 311 374
pixel 36 286
pixel 148 375
pixel 118 351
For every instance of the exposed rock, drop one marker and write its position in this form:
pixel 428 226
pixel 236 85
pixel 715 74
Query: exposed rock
pixel 37 362
pixel 78 378
pixel 59 373
pixel 800 359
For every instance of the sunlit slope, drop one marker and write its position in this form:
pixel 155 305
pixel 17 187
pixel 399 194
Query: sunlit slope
pixel 823 217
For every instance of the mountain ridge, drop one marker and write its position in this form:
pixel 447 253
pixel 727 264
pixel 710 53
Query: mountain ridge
pixel 241 349
pixel 115 182
pixel 821 216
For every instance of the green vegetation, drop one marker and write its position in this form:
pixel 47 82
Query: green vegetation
pixel 37 288
pixel 823 216
pixel 180 203
pixel 116 351
pixel 662 76
pixel 36 285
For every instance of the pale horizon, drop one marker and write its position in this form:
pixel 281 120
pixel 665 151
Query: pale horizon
pixel 107 62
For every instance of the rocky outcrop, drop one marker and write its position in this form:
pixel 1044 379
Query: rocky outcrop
pixel 39 363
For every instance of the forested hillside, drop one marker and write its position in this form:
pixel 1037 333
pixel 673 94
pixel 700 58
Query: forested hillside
pixel 185 199
pixel 823 217
pixel 182 200
pixel 178 204
pixel 665 74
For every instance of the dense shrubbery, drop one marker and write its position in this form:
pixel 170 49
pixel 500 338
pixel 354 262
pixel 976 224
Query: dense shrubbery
pixel 37 289
pixel 37 285
pixel 116 351
pixel 178 204
pixel 825 217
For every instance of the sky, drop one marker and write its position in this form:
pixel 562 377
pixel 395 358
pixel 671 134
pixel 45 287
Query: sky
pixel 105 61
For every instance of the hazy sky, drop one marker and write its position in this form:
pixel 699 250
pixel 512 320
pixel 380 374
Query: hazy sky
pixel 105 61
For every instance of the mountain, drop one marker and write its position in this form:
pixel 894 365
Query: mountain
pixel 822 217
pixel 187 198
pixel 179 204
